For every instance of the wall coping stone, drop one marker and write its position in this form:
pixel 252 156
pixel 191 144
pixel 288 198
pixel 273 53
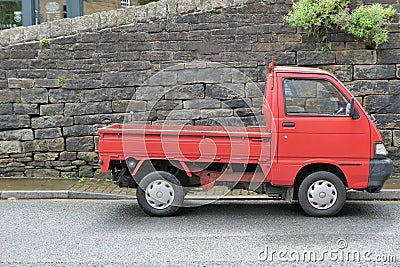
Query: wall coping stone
pixel 114 18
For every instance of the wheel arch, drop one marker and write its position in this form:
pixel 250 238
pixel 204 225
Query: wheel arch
pixel 315 167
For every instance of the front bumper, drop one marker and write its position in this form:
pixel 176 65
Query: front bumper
pixel 379 171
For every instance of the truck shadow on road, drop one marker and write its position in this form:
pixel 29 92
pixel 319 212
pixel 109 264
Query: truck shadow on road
pixel 260 209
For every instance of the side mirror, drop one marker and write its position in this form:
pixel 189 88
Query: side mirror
pixel 353 111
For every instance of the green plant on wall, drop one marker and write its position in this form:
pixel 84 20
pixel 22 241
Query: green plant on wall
pixel 368 23
pixel 61 81
pixel 314 16
pixel 44 42
pixel 80 97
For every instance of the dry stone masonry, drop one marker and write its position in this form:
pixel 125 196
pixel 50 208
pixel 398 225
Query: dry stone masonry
pixel 99 69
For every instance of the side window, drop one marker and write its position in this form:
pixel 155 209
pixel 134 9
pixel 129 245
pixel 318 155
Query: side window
pixel 314 97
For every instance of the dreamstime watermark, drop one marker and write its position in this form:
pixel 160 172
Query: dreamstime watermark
pixel 340 253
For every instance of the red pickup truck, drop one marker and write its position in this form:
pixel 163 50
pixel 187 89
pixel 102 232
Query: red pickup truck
pixel 318 142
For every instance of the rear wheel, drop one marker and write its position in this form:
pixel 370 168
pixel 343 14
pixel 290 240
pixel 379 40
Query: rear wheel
pixel 322 194
pixel 160 194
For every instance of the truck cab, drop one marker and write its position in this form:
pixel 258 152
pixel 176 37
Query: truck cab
pixel 322 128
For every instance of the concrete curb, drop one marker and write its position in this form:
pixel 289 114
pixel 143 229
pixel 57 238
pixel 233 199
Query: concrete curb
pixel 392 194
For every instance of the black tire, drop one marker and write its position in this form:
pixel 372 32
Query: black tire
pixel 322 194
pixel 160 194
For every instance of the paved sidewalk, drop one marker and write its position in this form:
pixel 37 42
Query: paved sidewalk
pixel 57 188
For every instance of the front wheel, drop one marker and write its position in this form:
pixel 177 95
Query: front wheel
pixel 322 194
pixel 160 194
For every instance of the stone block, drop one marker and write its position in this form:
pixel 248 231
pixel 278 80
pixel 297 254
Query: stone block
pixel 64 96
pixel 81 84
pixel 214 74
pixel 185 92
pixel 281 58
pixel 52 109
pixel 343 72
pixel 268 47
pixel 387 137
pixel 72 109
pixel 368 87
pixel 61 163
pixel 34 95
pixel 62 27
pixel 374 72
pixel 21 135
pixel 309 58
pixel 88 156
pixel 164 78
pixel 99 119
pixel 396 138
pixel 257 102
pixel 84 143
pixel 10 96
pixel 10 147
pixel 5 37
pixel 14 121
pixel 105 94
pixel 140 116
pixel 79 130
pixel 237 103
pixel 86 171
pixel 65 155
pixel 382 103
pixel 17 35
pixel 44 145
pixel 390 56
pixel 23 54
pixel 394 87
pixel 212 113
pixel 120 79
pixel 355 57
pixel 79 163
pixel 254 89
pixel 127 105
pixel 24 109
pixel 51 121
pixel 223 92
pixel 150 93
pixel 207 103
pixel 180 114
pixel 14 83
pixel 244 112
pixel 48 133
pixel 46 83
pixel 387 121
pixel 164 104
pixel 15 167
pixel 6 109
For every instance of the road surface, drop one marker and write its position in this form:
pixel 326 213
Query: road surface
pixel 225 233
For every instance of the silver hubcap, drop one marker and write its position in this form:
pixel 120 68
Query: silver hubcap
pixel 160 194
pixel 322 194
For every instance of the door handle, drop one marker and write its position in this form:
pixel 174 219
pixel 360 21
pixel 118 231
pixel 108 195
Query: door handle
pixel 288 124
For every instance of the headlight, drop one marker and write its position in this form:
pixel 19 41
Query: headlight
pixel 380 151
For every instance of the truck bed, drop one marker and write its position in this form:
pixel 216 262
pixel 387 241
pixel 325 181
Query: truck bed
pixel 185 143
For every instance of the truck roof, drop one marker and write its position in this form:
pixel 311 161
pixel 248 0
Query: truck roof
pixel 300 70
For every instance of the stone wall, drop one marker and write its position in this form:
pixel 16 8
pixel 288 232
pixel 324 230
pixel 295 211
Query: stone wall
pixel 99 70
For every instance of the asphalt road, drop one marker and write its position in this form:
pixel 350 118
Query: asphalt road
pixel 117 233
